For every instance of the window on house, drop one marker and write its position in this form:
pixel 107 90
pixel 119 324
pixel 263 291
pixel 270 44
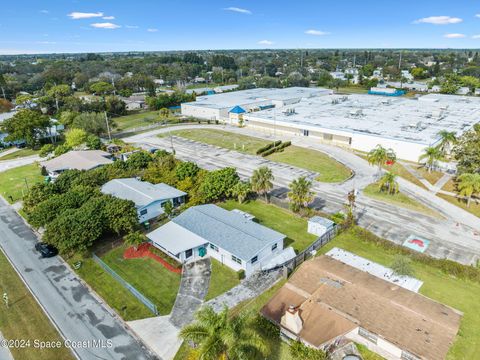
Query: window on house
pixel 188 253
pixel 368 335
pixel 274 247
pixel 214 247
pixel 237 260
pixel 254 259
pixel 143 212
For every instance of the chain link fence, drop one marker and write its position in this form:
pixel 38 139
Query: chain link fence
pixel 150 305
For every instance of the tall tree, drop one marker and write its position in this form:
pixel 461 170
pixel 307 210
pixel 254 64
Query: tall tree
pixel 26 125
pixel 431 155
pixel 447 140
pixel 300 194
pixel 262 181
pixel 388 183
pixel 221 336
pixel 380 156
pixel 468 185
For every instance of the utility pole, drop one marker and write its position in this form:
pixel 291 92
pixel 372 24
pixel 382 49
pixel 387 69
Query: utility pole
pixel 108 126
pixel 3 92
pixel 400 61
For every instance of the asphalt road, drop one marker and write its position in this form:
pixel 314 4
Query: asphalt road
pixel 73 308
pixel 449 237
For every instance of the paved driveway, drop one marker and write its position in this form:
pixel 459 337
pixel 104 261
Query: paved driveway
pixel 10 164
pixel 73 308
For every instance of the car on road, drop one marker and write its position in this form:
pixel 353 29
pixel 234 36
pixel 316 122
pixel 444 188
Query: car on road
pixel 46 250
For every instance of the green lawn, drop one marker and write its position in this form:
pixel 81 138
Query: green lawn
pixel 474 207
pixel 222 279
pixel 450 185
pixel 460 294
pixel 15 182
pixel 432 177
pixel 24 318
pixel 114 294
pixel 19 154
pixel 224 139
pixel 281 220
pixel 352 90
pixel 136 120
pixel 148 276
pixel 329 169
pixel 398 199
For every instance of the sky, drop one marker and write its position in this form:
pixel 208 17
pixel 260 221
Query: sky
pixel 66 26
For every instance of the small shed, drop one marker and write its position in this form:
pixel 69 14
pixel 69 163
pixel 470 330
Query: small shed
pixel 318 225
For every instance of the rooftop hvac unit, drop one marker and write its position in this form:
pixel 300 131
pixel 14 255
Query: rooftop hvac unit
pixel 289 111
pixel 356 112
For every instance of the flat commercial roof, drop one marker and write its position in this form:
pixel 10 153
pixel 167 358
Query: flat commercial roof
pixel 326 290
pixel 400 118
pixel 243 97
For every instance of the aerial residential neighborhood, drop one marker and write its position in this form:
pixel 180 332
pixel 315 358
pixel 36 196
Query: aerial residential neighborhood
pixel 249 180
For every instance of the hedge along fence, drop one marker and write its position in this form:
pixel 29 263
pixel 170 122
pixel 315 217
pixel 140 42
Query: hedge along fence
pixel 448 267
pixel 273 147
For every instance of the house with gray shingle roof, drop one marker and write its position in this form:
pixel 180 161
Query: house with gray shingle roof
pixel 209 230
pixel 149 199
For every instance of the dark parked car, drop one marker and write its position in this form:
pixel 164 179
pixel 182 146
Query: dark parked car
pixel 46 250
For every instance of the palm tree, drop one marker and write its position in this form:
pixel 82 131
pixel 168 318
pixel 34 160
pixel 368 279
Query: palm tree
pixel 431 155
pixel 134 239
pixel 262 181
pixel 241 191
pixel 468 185
pixel 379 156
pixel 447 140
pixel 388 182
pixel 220 336
pixel 300 194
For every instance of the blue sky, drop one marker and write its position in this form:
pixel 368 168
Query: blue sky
pixel 33 26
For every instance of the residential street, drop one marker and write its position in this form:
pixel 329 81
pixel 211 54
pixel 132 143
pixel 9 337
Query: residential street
pixel 74 309
pixel 456 237
pixel 10 164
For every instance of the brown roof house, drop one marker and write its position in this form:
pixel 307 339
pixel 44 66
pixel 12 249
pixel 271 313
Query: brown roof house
pixel 326 302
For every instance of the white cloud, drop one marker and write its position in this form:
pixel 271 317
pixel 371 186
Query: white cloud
pixel 439 20
pixel 108 17
pixel 105 25
pixel 81 15
pixel 476 36
pixel 44 11
pixel 152 30
pixel 454 36
pixel 46 42
pixel 477 15
pixel 316 32
pixel 238 10
pixel 131 26
pixel 265 42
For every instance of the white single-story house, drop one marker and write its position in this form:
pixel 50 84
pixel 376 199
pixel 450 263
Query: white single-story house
pixel 76 160
pixel 149 199
pixel 227 236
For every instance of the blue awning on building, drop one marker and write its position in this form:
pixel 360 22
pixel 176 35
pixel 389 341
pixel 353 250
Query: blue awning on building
pixel 237 110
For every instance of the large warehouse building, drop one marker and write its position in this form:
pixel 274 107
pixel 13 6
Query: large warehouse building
pixel 360 122
pixel 218 107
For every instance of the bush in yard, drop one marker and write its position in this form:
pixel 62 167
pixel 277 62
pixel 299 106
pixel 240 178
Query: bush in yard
pixel 75 137
pixel 402 266
pixel 62 149
pixel 93 142
pixel 241 190
pixel 121 215
pixel 299 351
pixel 218 184
pixel 241 274
pixel 46 149
pixel 134 239
pixel 186 169
pixel 38 193
pixel 139 160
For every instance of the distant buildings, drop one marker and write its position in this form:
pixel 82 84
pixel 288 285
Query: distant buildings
pixel 327 302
